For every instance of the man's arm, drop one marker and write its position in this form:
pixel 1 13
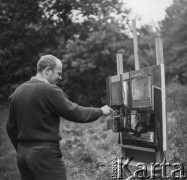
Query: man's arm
pixel 72 111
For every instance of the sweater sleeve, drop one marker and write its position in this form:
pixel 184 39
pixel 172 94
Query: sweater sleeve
pixel 71 111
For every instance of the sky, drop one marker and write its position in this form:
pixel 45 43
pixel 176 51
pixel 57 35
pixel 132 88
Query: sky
pixel 150 11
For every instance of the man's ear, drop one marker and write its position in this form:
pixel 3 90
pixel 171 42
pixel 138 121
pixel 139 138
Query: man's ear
pixel 47 70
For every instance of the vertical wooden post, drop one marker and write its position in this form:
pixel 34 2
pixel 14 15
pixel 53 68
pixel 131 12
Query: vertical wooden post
pixel 159 51
pixel 135 42
pixel 164 123
pixel 120 71
pixel 119 58
pixel 160 61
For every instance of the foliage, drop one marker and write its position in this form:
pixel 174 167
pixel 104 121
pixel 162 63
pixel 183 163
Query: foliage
pixel 91 61
pixel 89 55
pixel 173 30
pixel 87 36
pixel 176 97
pixel 146 45
pixel 30 29
pixel 8 168
pixel 24 36
pixel 177 137
pixel 177 113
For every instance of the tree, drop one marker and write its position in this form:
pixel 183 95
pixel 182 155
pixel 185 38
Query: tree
pixel 30 29
pixel 173 30
pixel 90 56
pixel 146 44
pixel 24 35
pixel 90 62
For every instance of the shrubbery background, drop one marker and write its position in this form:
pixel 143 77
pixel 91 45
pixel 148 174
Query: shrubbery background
pixel 177 121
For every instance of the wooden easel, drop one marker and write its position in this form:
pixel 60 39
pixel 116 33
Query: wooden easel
pixel 159 61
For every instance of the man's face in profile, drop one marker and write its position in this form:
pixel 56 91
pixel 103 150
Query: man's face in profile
pixel 55 74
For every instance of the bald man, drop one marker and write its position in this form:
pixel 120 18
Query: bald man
pixel 34 118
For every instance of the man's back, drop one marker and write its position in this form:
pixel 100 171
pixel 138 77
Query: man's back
pixel 32 111
pixel 35 110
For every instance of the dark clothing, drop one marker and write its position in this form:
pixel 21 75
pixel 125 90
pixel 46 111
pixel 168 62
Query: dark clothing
pixel 40 162
pixel 35 110
pixel 34 117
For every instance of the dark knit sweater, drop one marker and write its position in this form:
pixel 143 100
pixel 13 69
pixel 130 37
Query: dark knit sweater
pixel 35 110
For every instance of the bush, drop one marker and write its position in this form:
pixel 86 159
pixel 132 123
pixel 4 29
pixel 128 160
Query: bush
pixel 178 138
pixel 176 97
pixel 177 123
pixel 8 168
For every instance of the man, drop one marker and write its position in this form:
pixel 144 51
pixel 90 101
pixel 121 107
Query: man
pixel 34 117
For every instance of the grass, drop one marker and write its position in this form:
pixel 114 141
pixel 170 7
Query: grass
pixel 91 149
pixel 8 168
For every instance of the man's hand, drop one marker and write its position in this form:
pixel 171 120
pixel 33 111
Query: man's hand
pixel 106 110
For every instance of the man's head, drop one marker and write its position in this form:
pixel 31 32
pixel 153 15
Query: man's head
pixel 50 68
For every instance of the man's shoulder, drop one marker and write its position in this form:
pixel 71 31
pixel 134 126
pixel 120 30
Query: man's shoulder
pixel 38 87
pixel 38 84
pixel 55 89
pixel 28 86
pixel 43 86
